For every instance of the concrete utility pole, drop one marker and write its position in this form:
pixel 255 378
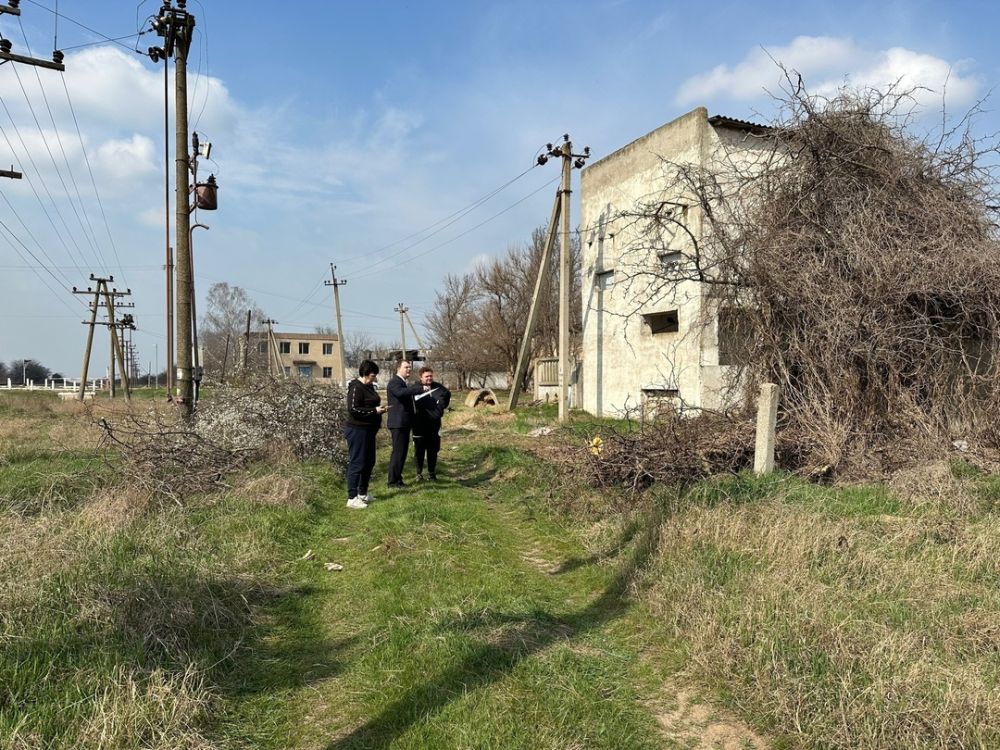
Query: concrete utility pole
pixel 273 348
pixel 336 284
pixel 529 330
pixel 559 211
pixel 176 26
pixel 402 310
pixel 420 344
pixel 109 296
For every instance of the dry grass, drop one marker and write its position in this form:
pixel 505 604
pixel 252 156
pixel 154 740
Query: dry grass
pixel 843 629
pixel 154 711
pixel 282 486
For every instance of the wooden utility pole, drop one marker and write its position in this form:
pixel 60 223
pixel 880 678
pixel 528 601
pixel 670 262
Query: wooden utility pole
pixel 176 26
pixel 336 284
pixel 402 310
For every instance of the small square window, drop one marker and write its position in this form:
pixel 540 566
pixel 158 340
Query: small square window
pixel 288 371
pixel 327 372
pixel 285 347
pixel 327 349
pixel 262 347
pixel 604 279
pixel 671 260
pixel 662 322
pixel 303 347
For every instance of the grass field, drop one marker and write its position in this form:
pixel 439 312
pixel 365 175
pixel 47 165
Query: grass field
pixel 503 607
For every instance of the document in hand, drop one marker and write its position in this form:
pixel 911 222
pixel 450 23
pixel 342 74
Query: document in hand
pixel 425 393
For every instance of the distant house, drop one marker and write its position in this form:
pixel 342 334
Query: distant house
pixel 312 356
pixel 648 344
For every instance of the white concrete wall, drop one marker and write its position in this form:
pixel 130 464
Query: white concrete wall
pixel 621 356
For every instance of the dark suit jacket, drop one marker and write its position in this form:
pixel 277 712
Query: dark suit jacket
pixel 429 409
pixel 401 402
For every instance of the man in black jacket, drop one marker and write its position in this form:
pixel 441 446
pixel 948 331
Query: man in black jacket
pixel 429 407
pixel 400 419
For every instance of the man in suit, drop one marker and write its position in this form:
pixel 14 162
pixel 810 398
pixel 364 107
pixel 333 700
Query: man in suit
pixel 400 419
pixel 429 408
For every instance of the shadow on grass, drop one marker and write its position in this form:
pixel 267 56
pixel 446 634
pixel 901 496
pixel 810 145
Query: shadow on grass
pixel 516 637
pixel 246 639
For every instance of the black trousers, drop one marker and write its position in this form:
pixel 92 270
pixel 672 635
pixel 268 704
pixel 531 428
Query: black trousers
pixel 429 446
pixel 360 459
pixel 400 447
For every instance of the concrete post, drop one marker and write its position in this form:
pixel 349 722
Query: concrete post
pixel 767 420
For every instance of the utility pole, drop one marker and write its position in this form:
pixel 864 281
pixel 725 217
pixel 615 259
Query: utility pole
pixel 336 284
pixel 176 26
pixel 420 344
pixel 246 343
pixel 560 211
pixel 274 348
pixel 402 310
pixel 109 296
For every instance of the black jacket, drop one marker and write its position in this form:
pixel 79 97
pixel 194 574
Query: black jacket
pixel 361 402
pixel 428 410
pixel 401 401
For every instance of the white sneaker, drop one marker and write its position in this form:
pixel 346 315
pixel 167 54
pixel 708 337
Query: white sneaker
pixel 367 498
pixel 357 503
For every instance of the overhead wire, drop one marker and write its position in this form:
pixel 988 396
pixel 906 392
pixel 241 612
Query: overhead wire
pixel 52 158
pixel 45 187
pixel 41 278
pixel 92 237
pixel 93 181
pixel 376 270
pixel 107 38
pixel 459 214
pixel 41 248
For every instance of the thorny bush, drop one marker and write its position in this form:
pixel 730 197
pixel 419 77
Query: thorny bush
pixel 239 424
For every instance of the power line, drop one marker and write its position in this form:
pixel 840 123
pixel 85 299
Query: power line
pixel 93 182
pixel 460 213
pixel 52 157
pixel 36 171
pixel 106 38
pixel 42 265
pixel 92 237
pixel 374 269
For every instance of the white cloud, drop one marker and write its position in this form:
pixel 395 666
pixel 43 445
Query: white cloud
pixel 826 63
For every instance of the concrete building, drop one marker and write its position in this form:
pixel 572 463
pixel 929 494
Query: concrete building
pixel 314 356
pixel 648 342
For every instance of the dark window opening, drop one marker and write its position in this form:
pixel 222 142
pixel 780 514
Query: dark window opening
pixel 303 348
pixel 285 347
pixel 671 260
pixel 662 322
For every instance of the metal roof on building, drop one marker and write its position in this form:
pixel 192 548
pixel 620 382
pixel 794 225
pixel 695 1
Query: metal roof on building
pixel 722 121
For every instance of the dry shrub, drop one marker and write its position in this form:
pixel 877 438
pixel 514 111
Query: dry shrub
pixel 241 423
pixel 283 416
pixel 862 264
pixel 161 454
pixel 671 449
pixel 154 711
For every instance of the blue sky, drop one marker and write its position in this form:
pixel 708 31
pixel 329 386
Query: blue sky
pixel 339 128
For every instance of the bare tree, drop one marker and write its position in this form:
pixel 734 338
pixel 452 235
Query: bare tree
pixel 224 325
pixel 479 319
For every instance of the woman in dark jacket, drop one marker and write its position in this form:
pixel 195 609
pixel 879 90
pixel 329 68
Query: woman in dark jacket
pixel 364 418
